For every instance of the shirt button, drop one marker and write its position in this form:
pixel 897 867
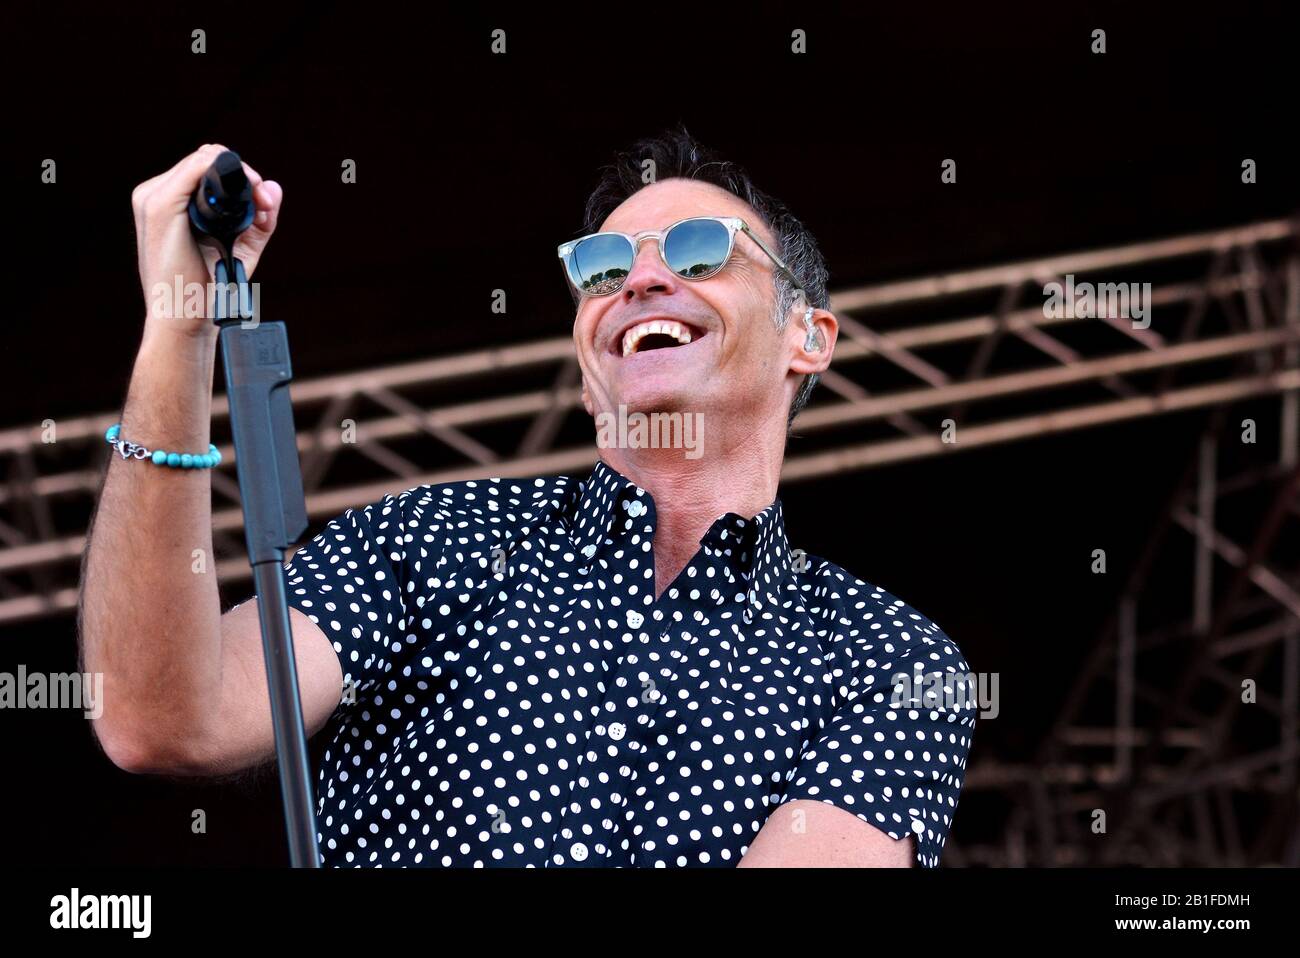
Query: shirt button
pixel 578 852
pixel 635 508
pixel 634 619
pixel 589 550
pixel 617 731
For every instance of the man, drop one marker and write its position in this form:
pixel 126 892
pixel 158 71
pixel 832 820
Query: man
pixel 634 669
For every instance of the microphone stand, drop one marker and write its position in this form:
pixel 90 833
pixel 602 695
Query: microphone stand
pixel 256 359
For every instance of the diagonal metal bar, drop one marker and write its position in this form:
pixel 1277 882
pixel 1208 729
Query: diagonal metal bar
pixel 470 448
pixel 541 433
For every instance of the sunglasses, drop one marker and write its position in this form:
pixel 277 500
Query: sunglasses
pixel 597 264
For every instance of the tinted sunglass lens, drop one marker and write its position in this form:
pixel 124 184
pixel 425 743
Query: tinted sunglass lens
pixel 697 248
pixel 600 263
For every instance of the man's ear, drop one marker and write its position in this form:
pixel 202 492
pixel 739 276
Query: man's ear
pixel 586 399
pixel 811 341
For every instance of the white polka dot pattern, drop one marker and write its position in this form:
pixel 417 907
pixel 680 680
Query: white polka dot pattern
pixel 514 694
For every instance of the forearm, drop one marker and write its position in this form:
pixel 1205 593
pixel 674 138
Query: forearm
pixel 151 616
pixel 813 834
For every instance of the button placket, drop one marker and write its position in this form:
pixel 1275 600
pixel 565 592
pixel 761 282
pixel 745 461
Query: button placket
pixel 621 752
pixel 613 739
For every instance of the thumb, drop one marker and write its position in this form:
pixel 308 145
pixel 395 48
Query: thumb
pixel 267 196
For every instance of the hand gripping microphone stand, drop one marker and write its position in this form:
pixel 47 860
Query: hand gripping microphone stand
pixel 256 359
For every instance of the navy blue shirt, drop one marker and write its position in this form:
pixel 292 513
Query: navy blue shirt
pixel 514 694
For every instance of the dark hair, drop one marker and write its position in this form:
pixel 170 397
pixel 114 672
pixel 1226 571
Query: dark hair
pixel 676 154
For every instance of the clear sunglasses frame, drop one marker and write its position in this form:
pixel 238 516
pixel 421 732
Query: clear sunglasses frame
pixel 734 225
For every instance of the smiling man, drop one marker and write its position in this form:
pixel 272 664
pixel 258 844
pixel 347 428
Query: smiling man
pixel 631 669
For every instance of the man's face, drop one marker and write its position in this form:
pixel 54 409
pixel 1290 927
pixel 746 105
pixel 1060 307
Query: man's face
pixel 736 365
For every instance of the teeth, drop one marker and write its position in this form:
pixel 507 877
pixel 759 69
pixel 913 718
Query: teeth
pixel 663 327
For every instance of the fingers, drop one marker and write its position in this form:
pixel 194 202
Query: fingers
pixel 168 193
pixel 180 181
pixel 153 180
pixel 268 196
pixel 253 176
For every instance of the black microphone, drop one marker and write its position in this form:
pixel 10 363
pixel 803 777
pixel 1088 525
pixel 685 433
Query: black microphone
pixel 222 206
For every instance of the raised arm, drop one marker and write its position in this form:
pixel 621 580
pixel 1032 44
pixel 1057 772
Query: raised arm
pixel 184 686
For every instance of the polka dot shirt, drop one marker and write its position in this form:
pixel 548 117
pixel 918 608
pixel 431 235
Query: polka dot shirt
pixel 514 694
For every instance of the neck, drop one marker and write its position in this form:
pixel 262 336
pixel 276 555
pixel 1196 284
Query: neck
pixel 690 494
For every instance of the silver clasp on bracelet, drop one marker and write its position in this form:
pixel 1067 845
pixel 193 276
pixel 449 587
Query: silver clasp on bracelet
pixel 128 450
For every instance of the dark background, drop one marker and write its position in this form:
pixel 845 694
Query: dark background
pixel 472 167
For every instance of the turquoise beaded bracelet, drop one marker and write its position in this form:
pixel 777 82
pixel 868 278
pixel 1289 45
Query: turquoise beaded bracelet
pixel 177 460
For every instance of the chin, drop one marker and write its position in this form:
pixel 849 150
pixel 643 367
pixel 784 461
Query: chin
pixel 649 399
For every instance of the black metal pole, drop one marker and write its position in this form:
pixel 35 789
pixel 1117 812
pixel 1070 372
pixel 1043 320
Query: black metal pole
pixel 256 360
pixel 286 716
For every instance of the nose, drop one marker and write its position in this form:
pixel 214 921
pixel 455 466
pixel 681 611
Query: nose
pixel 649 273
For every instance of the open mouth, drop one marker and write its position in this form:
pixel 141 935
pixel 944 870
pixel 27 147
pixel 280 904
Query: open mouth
pixel 657 334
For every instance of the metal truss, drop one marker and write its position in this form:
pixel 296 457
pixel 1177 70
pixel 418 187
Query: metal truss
pixel 1179 743
pixel 957 361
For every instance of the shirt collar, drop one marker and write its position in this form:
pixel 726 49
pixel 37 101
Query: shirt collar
pixel 608 505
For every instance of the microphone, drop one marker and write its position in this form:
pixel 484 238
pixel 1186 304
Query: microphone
pixel 222 206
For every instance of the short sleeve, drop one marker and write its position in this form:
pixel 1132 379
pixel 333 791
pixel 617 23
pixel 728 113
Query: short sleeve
pixel 349 581
pixel 894 751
